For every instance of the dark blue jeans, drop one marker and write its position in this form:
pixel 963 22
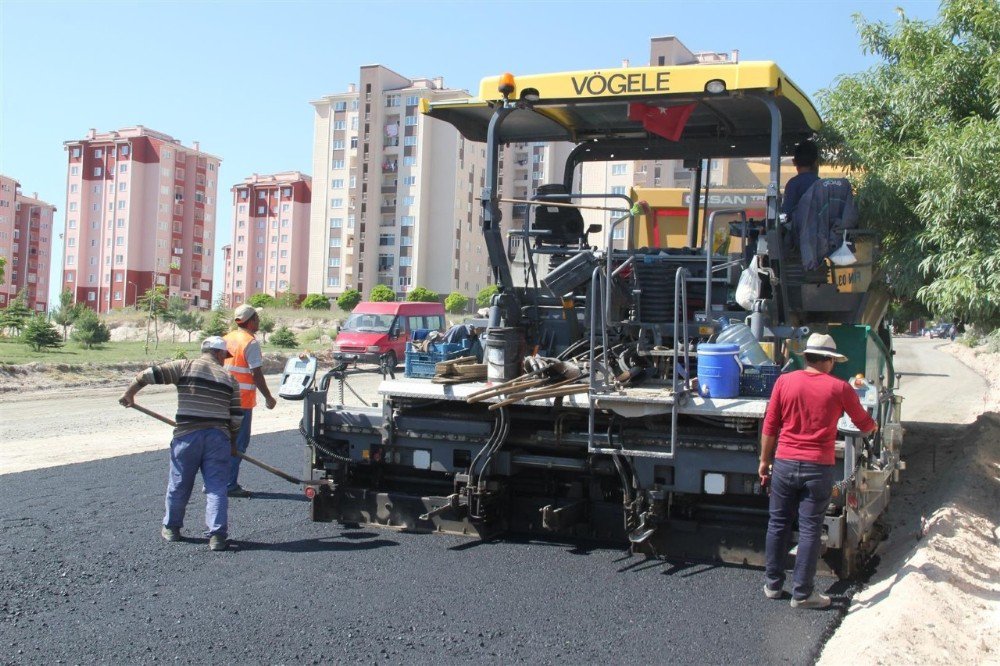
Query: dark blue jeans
pixel 242 443
pixel 798 489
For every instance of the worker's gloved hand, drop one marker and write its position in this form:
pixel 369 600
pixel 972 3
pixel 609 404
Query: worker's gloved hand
pixel 270 402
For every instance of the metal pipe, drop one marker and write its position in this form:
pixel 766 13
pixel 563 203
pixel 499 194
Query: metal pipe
pixel 693 209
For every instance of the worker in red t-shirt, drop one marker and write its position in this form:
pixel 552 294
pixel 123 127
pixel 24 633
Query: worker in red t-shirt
pixel 801 423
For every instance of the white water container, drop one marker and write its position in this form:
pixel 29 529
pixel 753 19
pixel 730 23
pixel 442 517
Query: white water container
pixel 751 353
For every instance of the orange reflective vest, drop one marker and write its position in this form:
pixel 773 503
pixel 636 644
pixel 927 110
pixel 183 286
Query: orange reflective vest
pixel 237 342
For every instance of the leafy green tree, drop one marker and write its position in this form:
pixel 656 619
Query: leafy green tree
pixel 218 324
pixel 176 306
pixel 266 324
pixel 920 134
pixel 284 338
pixel 67 312
pixel 422 295
pixel 456 303
pixel 89 330
pixel 3 267
pixel 382 293
pixel 287 300
pixel 485 296
pixel 16 315
pixel 154 303
pixel 40 333
pixel 316 302
pixel 189 322
pixel 349 300
pixel 261 301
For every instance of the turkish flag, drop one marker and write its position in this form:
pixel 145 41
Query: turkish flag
pixel 667 122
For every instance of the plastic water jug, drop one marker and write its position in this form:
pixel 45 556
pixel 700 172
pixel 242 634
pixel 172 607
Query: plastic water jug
pixel 718 370
pixel 751 353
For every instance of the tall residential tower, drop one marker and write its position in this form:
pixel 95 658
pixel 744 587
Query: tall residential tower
pixel 140 210
pixel 25 244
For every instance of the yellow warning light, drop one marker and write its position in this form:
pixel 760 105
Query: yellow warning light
pixel 364 454
pixel 506 86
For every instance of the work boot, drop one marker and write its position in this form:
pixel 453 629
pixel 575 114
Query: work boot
pixel 170 533
pixel 239 491
pixel 814 600
pixel 218 542
pixel 772 594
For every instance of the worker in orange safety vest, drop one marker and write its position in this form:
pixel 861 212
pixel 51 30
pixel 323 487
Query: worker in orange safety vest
pixel 245 366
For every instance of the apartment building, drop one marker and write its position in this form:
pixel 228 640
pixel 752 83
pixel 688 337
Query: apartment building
pixel 395 192
pixel 140 210
pixel 25 244
pixel 269 253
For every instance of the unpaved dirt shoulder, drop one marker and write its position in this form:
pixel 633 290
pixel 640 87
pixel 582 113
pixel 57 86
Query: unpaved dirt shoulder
pixel 935 598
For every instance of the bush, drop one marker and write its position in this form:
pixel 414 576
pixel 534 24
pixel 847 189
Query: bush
pixel 89 330
pixel 180 354
pixel 970 339
pixel 189 322
pixel 316 302
pixel 422 295
pixel 349 300
pixel 456 303
pixel 312 335
pixel 284 338
pixel 993 342
pixel 40 333
pixel 485 296
pixel 382 294
pixel 262 301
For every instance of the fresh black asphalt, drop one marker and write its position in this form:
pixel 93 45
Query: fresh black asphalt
pixel 85 577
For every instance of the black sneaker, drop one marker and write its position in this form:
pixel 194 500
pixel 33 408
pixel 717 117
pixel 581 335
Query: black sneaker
pixel 170 534
pixel 218 542
pixel 239 491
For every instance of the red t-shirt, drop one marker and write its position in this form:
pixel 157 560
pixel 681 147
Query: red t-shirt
pixel 803 413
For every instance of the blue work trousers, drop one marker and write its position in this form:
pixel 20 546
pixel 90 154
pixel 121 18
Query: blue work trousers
pixel 206 450
pixel 798 489
pixel 242 443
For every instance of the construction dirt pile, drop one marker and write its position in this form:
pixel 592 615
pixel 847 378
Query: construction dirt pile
pixel 935 597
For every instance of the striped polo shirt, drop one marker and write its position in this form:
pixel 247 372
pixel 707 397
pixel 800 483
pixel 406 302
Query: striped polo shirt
pixel 207 395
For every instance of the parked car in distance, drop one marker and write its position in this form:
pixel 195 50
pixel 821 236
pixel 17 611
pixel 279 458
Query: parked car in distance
pixel 940 331
pixel 376 332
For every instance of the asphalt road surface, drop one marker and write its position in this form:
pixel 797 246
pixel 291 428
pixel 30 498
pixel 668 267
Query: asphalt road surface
pixel 85 577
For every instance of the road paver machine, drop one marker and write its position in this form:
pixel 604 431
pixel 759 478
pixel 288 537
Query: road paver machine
pixel 636 452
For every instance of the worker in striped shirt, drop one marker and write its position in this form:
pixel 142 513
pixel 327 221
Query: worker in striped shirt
pixel 208 417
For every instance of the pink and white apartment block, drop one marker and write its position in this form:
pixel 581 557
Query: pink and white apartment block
pixel 140 210
pixel 270 249
pixel 25 245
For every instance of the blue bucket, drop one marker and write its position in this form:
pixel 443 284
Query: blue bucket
pixel 718 370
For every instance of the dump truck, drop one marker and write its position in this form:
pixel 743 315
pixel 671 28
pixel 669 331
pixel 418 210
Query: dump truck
pixel 592 424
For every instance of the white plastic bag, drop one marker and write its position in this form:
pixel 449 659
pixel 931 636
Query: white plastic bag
pixel 748 289
pixel 843 256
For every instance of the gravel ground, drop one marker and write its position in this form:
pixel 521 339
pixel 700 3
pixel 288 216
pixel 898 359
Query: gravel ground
pixel 85 577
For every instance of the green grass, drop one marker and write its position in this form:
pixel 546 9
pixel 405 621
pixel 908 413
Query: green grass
pixel 13 352
pixel 18 353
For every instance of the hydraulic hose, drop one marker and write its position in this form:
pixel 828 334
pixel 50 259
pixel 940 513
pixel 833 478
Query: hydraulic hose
pixel 319 447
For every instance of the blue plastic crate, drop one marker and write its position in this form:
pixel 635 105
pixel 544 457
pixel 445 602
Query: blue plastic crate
pixel 757 381
pixel 422 364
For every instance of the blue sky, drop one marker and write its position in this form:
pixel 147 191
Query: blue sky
pixel 238 77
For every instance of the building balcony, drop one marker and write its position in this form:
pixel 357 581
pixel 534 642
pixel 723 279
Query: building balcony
pixel 387 209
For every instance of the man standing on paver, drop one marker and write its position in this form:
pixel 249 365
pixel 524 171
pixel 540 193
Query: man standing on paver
pixel 245 366
pixel 806 161
pixel 801 423
pixel 208 418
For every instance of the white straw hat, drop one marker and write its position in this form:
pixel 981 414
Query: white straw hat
pixel 823 345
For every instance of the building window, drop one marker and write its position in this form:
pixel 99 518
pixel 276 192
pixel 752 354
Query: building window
pixel 406 261
pixel 337 183
pixel 98 153
pixel 284 208
pixel 122 186
pixel 410 121
pixel 409 140
pixel 337 164
pixel 409 180
pixel 335 241
pixel 338 144
pixel 619 169
pixel 618 189
pixel 333 281
pixel 339 125
pixel 340 106
pixel 121 204
pixel 75 151
pixel 408 200
pixel 261 210
pixel 122 168
pixel 336 203
pixel 97 171
pixel 409 160
pixel 386 262
pixel 334 262
pixel 387 240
